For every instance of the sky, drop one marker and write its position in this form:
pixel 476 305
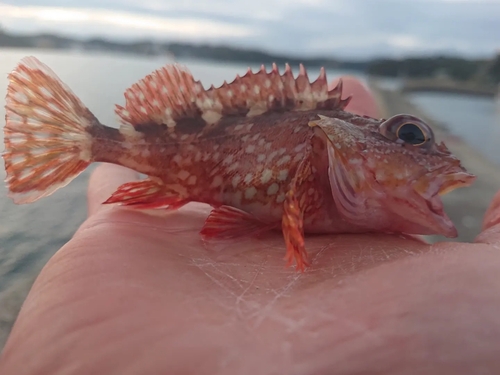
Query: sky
pixel 355 29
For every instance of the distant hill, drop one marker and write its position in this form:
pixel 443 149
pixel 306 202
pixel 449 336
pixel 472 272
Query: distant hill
pixel 456 68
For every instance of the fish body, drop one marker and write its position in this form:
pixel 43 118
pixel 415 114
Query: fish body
pixel 266 151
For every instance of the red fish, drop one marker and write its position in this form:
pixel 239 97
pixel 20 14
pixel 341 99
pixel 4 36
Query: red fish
pixel 266 151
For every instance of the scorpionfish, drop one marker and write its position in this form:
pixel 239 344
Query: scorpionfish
pixel 268 151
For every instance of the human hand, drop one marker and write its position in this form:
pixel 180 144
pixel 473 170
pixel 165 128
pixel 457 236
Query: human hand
pixel 135 293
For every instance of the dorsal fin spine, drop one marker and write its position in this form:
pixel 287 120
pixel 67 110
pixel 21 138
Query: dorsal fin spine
pixel 170 94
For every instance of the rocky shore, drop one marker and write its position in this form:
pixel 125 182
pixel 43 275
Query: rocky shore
pixel 466 206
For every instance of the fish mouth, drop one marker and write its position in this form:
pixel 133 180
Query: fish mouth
pixel 440 222
pixel 454 181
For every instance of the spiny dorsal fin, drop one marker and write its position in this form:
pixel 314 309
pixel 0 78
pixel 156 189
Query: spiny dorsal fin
pixel 171 94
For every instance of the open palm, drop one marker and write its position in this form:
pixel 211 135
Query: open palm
pixel 135 293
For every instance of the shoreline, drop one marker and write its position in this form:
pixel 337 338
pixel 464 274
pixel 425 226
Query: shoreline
pixel 466 206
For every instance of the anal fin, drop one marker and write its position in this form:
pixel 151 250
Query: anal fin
pixel 146 194
pixel 227 222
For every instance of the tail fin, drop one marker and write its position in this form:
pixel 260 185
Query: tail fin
pixel 46 135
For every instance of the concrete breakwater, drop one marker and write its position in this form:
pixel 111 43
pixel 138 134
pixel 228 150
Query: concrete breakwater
pixel 465 206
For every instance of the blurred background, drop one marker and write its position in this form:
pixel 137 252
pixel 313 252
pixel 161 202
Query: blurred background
pixel 438 59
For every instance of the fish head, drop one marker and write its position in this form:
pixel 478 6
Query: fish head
pixel 392 173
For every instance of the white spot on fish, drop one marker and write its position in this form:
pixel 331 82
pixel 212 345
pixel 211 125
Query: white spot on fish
pixel 283 174
pixel 280 198
pixel 250 192
pixel 21 97
pixel 297 129
pixel 177 159
pixel 216 182
pixel 273 189
pixel 18 139
pixel 216 156
pixel 261 158
pixel 191 180
pixel 298 157
pixel 46 93
pixel 183 174
pixel 184 137
pixel 255 137
pixel 233 167
pixel 250 149
pixel 211 117
pixel 128 130
pixel 267 83
pixel 248 178
pixel 249 127
pixel 261 142
pixel 238 127
pixel 281 151
pixel 299 147
pixel 228 159
pixel 266 176
pixel 236 180
pixel 284 159
pixel 256 89
pixel 271 156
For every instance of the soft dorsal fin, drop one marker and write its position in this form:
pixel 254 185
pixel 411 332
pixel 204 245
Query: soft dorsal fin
pixel 170 96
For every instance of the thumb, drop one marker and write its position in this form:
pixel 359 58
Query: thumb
pixel 491 224
pixel 363 101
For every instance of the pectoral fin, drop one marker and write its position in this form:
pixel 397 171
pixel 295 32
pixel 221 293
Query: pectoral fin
pixel 296 201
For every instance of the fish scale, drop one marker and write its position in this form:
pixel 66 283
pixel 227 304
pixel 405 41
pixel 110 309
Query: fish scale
pixel 268 151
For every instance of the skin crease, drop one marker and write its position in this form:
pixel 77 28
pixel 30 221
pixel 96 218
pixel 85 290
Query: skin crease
pixel 136 293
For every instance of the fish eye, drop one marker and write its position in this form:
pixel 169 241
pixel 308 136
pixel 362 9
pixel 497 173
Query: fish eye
pixel 407 129
pixel 411 133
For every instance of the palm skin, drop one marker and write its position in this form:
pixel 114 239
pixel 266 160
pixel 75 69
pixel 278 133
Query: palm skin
pixel 134 293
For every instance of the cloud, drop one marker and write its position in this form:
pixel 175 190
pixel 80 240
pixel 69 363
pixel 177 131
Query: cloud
pixel 64 19
pixel 347 28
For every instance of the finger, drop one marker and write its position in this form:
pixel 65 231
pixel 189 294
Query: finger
pixel 105 179
pixel 491 223
pixel 363 101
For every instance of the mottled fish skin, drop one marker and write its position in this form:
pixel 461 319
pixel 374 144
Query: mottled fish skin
pixel 267 151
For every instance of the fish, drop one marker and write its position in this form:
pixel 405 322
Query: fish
pixel 268 151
